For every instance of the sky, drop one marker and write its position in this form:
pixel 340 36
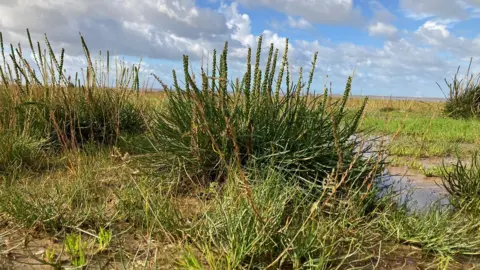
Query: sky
pixel 393 47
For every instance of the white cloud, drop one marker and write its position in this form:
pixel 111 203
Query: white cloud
pixel 239 24
pixel 300 23
pixel 148 28
pixel 439 37
pixel 380 12
pixel 381 24
pixel 314 11
pixel 382 30
pixel 433 33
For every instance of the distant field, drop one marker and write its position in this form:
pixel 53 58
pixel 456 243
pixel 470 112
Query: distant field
pixel 403 98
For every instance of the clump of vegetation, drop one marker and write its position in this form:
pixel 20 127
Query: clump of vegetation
pixel 44 105
pixel 462 182
pixel 435 230
pixel 212 125
pixel 388 109
pixel 463 99
pixel 21 152
pixel 280 228
pixel 101 118
pixel 75 249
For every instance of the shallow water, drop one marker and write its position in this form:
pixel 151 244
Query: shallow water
pixel 415 190
pixel 412 187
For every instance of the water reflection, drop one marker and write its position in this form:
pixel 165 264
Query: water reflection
pixel 413 189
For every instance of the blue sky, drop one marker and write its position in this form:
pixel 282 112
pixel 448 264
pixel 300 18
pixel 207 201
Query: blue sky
pixel 396 47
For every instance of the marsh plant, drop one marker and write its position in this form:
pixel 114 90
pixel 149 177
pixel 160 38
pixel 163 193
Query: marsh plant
pixel 104 239
pixel 75 249
pixel 463 100
pixel 263 119
pixel 45 108
pixel 284 229
pixel 462 182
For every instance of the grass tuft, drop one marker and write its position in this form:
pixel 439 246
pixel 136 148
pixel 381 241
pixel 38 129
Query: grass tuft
pixel 208 129
pixel 462 182
pixel 463 99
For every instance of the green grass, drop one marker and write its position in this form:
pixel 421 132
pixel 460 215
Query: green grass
pixel 421 135
pixel 432 128
pixel 286 229
pixel 436 231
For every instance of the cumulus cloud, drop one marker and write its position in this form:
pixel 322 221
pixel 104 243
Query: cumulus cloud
pixel 239 24
pixel 439 37
pixel 433 33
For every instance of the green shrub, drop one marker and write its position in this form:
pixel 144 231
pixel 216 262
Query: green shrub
pixel 210 126
pixel 463 100
pixel 388 109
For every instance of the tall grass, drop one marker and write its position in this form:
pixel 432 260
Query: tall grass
pixel 463 99
pixel 258 121
pixel 46 107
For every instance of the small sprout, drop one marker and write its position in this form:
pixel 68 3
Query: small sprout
pixel 50 255
pixel 75 249
pixel 104 238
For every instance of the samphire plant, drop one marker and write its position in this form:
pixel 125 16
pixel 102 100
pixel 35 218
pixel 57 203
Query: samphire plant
pixel 463 100
pixel 45 108
pixel 462 182
pixel 253 121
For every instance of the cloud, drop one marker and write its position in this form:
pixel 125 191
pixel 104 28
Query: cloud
pixel 239 24
pixel 292 23
pixel 299 23
pixel 381 13
pixel 163 30
pixel 439 37
pixel 382 30
pixel 159 29
pixel 381 24
pixel 314 11
pixel 443 9
pixel 433 33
